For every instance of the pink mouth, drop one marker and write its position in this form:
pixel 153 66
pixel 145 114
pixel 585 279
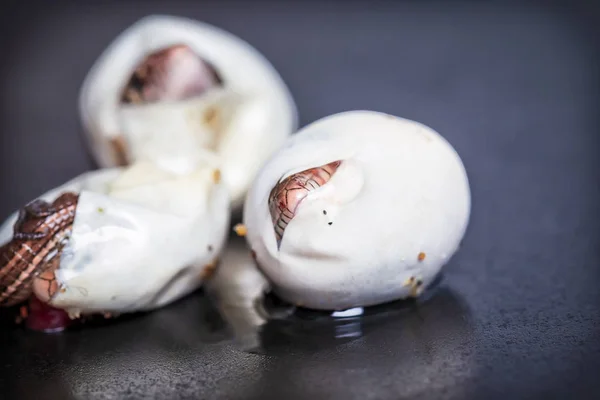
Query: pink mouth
pixel 286 196
pixel 45 318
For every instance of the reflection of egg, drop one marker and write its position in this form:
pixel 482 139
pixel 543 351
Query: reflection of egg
pixel 357 209
pixel 173 91
pixel 237 288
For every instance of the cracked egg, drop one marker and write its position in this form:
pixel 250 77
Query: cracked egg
pixel 357 209
pixel 173 90
pixel 115 240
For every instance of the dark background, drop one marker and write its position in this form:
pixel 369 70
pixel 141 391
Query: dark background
pixel 513 86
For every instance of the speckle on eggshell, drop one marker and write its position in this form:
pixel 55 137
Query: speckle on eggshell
pixel 211 118
pixel 240 230
pixel 209 269
pixel 217 175
pixel 120 151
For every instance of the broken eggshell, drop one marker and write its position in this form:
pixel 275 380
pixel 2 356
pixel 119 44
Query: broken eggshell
pixel 357 209
pixel 173 90
pixel 116 240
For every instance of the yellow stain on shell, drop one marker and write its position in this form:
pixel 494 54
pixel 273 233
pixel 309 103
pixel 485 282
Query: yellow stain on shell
pixel 217 175
pixel 209 269
pixel 211 118
pixel 240 230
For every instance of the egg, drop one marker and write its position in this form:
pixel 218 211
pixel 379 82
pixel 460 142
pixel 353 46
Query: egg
pixel 357 209
pixel 116 240
pixel 172 90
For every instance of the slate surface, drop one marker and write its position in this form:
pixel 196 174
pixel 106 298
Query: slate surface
pixel 513 88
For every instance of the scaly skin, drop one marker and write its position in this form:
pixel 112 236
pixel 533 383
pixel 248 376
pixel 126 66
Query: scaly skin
pixel 29 260
pixel 287 195
pixel 170 74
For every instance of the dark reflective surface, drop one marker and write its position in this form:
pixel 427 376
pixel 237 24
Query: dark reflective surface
pixel 182 345
pixel 513 88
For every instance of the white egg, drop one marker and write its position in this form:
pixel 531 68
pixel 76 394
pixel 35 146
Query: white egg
pixel 357 209
pixel 141 238
pixel 211 94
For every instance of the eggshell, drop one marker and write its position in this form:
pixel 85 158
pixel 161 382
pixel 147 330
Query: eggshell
pixel 141 238
pixel 96 181
pixel 380 229
pixel 240 123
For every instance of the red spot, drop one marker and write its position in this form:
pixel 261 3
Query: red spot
pixel 45 318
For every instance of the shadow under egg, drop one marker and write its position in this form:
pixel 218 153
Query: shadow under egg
pixel 298 328
pixel 417 344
